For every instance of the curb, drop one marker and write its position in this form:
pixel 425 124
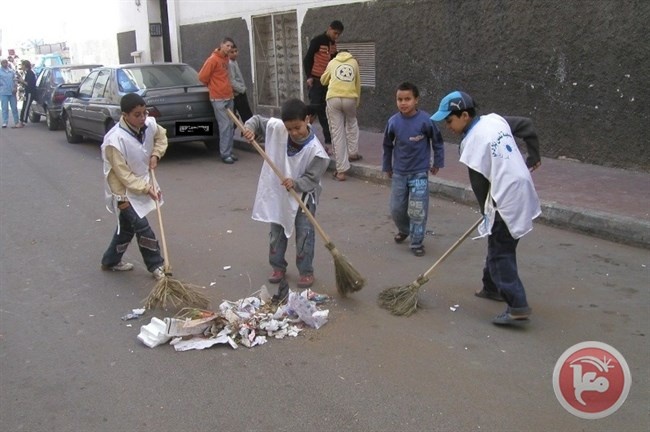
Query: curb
pixel 621 229
pixel 607 226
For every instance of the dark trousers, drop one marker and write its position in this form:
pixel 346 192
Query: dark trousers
pixel 242 108
pixel 133 225
pixel 27 103
pixel 317 94
pixel 500 273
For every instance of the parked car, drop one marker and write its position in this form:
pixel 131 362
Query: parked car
pixel 173 93
pixel 51 85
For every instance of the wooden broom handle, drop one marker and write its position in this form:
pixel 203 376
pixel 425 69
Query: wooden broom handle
pixel 452 248
pixel 168 265
pixel 275 169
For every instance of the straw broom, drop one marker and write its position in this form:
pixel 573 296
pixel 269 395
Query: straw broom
pixel 168 290
pixel 348 279
pixel 403 300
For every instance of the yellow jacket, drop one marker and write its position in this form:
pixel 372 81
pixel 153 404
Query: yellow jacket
pixel 342 77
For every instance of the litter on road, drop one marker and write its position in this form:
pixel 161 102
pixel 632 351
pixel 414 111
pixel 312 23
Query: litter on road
pixel 250 321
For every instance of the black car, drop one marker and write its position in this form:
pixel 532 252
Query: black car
pixel 51 85
pixel 174 95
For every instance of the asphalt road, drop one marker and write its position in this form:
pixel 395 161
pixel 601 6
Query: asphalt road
pixel 69 363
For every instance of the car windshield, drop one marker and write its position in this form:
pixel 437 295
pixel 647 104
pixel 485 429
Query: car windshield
pixel 156 76
pixel 70 76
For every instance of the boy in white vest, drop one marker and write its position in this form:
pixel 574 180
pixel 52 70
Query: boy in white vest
pixel 294 149
pixel 505 193
pixel 130 150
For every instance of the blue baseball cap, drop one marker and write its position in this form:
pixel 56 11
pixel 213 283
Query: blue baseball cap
pixel 454 101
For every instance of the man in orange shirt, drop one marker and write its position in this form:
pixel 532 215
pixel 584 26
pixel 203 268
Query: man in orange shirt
pixel 214 74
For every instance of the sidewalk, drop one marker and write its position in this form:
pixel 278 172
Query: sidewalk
pixel 609 203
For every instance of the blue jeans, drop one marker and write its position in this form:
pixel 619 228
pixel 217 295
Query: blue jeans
pixel 6 102
pixel 500 273
pixel 225 125
pixel 305 240
pixel 131 224
pixel 409 205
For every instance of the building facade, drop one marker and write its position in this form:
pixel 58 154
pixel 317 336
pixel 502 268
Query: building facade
pixel 579 68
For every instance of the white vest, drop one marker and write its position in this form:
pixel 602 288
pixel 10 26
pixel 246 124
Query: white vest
pixel 490 149
pixel 273 203
pixel 137 157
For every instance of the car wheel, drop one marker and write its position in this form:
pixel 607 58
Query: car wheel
pixel 52 123
pixel 34 117
pixel 212 145
pixel 70 134
pixel 109 125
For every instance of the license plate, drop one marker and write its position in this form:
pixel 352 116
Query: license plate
pixel 189 128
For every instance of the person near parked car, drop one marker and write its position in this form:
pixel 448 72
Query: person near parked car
pixel 239 86
pixel 322 49
pixel 293 147
pixel 215 74
pixel 130 150
pixel 505 193
pixel 8 90
pixel 343 82
pixel 29 84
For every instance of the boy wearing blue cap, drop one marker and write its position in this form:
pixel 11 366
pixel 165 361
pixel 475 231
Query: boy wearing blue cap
pixel 409 139
pixel 506 195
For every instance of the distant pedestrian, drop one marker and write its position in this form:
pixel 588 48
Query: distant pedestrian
pixel 8 90
pixel 413 148
pixel 215 74
pixel 293 147
pixel 130 150
pixel 506 197
pixel 29 84
pixel 322 49
pixel 343 81
pixel 239 86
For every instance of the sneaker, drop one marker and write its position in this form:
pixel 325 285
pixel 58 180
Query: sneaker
pixel 120 266
pixel 276 276
pixel 306 281
pixel 4 126
pixel 158 273
pixel 490 295
pixel 228 160
pixel 418 251
pixel 512 318
pixel 233 157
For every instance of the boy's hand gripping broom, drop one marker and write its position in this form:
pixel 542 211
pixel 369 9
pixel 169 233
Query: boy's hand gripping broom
pixel 348 279
pixel 403 300
pixel 172 290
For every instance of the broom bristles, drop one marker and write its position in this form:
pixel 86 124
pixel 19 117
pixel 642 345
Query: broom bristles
pixel 400 300
pixel 348 279
pixel 168 290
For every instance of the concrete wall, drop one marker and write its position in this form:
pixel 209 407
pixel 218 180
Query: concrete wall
pixel 579 68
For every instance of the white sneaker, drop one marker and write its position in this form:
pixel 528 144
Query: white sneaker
pixel 158 273
pixel 120 266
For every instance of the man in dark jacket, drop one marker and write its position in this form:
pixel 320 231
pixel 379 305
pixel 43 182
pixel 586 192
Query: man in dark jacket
pixel 321 50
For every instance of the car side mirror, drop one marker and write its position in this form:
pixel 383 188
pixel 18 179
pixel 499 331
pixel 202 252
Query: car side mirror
pixel 70 94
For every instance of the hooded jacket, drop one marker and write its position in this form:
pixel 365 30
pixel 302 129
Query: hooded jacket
pixel 215 75
pixel 342 77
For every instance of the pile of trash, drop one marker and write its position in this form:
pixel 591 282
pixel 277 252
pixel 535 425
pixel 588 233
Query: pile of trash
pixel 248 322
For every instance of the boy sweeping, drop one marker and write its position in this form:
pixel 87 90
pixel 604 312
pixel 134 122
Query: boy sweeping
pixel 292 146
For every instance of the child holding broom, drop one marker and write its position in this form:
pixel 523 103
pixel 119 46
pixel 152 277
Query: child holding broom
pixel 506 195
pixel 130 149
pixel 409 138
pixel 293 147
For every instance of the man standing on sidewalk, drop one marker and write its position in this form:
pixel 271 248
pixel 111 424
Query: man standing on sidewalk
pixel 321 50
pixel 214 74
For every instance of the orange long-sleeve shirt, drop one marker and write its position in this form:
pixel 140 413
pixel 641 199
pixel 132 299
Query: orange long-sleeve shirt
pixel 214 74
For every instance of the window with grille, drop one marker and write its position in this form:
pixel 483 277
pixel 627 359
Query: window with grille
pixel 277 58
pixel 364 52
